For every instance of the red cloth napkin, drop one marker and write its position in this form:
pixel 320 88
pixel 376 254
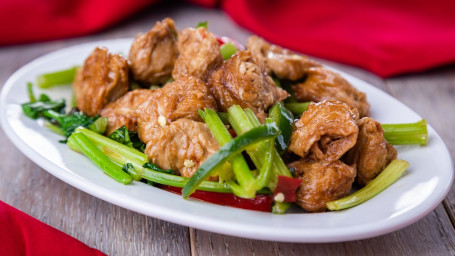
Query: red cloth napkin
pixel 20 234
pixel 387 37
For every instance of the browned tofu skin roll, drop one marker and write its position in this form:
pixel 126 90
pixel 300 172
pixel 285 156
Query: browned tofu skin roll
pixel 182 145
pixel 124 111
pixel 242 80
pixel 325 131
pixel 179 99
pixel 371 153
pixel 281 62
pixel 199 53
pixel 153 54
pixel 322 182
pixel 102 79
pixel 322 84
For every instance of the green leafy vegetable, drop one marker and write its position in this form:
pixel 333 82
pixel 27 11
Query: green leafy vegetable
pixel 35 109
pixel 128 168
pixel 284 119
pixel 128 138
pixel 69 123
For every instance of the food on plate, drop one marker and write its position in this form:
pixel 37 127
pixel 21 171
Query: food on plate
pixel 323 84
pixel 279 61
pixel 212 122
pixel 102 79
pixel 199 53
pixel 372 153
pixel 153 54
pixel 322 182
pixel 176 100
pixel 242 81
pixel 125 110
pixel 326 131
pixel 182 146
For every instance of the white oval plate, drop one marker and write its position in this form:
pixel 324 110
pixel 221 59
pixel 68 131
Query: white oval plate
pixel 414 195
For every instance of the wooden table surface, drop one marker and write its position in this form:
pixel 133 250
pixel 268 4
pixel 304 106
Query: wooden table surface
pixel 117 231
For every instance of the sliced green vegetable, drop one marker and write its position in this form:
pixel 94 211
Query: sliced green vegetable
pixel 227 151
pixel 388 176
pixel 240 167
pixel 73 100
pixel 280 207
pixel 54 128
pixel 223 116
pixel 203 24
pixel 94 154
pixel 284 119
pixel 297 107
pixel 99 126
pixel 227 50
pixel 406 134
pixel 116 152
pixel 180 182
pixel 31 96
pixel 244 120
pixel 61 77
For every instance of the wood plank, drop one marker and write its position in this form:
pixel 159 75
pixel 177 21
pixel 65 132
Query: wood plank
pixel 433 235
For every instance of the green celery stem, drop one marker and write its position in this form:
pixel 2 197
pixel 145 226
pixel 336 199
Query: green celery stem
pixel 94 154
pixel 388 176
pixel 116 152
pixel 239 165
pixel 244 120
pixel 406 134
pixel 61 77
pixel 180 182
pixel 31 96
pixel 114 148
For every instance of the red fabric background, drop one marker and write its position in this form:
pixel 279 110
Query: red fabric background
pixel 24 21
pixel 23 235
pixel 387 37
